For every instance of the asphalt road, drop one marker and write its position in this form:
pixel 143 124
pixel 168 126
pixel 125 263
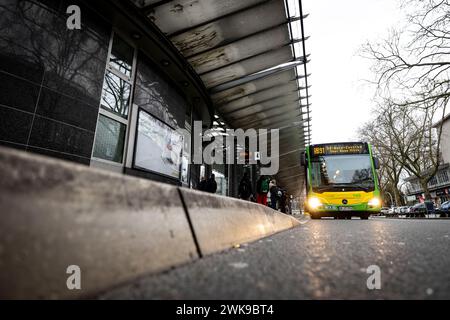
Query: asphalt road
pixel 323 259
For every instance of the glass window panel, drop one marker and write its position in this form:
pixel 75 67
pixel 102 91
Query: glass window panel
pixel 109 139
pixel 121 56
pixel 116 94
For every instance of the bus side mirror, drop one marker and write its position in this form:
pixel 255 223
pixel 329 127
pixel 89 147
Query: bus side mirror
pixel 376 163
pixel 303 159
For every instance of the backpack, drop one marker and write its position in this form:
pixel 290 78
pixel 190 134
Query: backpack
pixel 264 186
pixel 279 194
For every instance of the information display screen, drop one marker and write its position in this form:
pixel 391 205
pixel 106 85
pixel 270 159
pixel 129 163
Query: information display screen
pixel 158 146
pixel 338 149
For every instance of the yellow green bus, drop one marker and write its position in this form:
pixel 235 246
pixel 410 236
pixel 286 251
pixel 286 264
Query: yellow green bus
pixel 341 180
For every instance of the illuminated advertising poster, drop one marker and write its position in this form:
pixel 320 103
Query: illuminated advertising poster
pixel 158 146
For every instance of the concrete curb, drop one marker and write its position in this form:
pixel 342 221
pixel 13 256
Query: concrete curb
pixel 55 214
pixel 222 222
pixel 116 228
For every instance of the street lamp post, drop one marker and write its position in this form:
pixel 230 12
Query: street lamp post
pixel 392 200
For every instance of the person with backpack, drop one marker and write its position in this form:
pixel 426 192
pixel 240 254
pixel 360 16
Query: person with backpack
pixel 211 184
pixel 262 188
pixel 245 188
pixel 273 194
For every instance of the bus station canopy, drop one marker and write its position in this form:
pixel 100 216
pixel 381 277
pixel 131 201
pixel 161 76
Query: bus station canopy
pixel 244 53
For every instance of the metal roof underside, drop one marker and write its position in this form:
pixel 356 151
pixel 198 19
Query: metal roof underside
pixel 234 46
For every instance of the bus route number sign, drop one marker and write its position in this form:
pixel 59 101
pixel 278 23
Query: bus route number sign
pixel 335 149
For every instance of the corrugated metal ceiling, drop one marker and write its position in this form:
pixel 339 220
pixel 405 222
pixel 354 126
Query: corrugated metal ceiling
pixel 231 44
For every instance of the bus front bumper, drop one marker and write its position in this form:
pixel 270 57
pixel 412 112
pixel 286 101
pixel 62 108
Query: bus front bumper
pixel 336 210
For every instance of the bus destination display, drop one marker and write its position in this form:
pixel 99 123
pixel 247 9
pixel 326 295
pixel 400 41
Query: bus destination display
pixel 339 149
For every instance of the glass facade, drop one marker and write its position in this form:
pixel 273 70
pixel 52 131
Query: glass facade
pixel 121 58
pixel 72 94
pixel 51 78
pixel 115 102
pixel 221 175
pixel 157 95
pixel 110 139
pixel 116 95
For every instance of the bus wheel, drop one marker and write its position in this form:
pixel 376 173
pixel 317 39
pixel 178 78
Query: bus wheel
pixel 365 216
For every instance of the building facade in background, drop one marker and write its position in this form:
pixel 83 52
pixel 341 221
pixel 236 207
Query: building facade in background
pixel 440 184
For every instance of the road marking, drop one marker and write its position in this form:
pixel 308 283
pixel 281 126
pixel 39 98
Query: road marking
pixel 239 265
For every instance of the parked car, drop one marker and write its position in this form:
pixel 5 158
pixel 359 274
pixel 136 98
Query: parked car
pixel 384 211
pixel 417 210
pixel 444 209
pixel 391 211
pixel 431 207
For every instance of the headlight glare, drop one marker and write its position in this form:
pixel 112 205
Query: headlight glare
pixel 314 203
pixel 375 202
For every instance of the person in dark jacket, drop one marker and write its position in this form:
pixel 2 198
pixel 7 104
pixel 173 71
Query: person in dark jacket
pixel 245 187
pixel 273 194
pixel 202 184
pixel 283 201
pixel 211 184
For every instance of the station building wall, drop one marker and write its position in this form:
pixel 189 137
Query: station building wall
pixel 72 94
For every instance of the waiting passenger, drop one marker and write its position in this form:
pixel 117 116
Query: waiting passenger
pixel 283 200
pixel 273 194
pixel 211 184
pixel 245 187
pixel 202 184
pixel 262 188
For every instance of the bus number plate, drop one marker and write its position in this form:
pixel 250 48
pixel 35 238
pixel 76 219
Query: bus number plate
pixel 345 209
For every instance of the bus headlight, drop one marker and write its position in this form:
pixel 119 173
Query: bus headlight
pixel 375 202
pixel 314 203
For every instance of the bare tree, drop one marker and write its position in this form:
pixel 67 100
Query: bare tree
pixel 412 65
pixel 413 81
pixel 390 168
pixel 407 133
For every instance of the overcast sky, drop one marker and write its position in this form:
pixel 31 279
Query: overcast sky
pixel 341 100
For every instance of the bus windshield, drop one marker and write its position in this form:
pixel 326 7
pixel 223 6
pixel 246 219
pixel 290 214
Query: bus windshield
pixel 342 173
